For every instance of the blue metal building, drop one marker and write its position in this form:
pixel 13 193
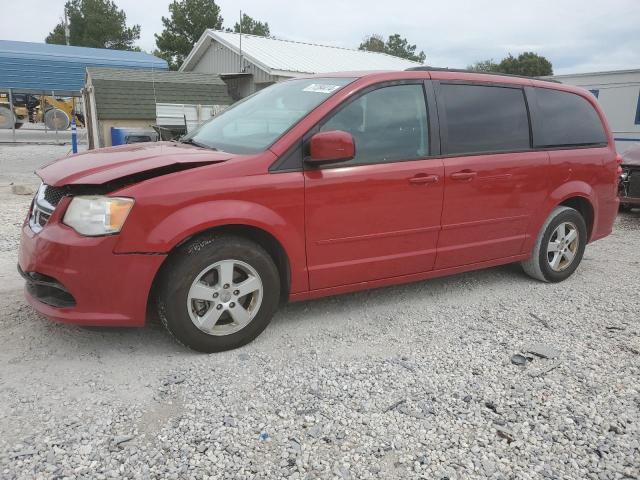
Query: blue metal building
pixel 41 67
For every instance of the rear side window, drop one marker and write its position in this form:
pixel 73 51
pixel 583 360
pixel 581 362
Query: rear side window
pixel 484 119
pixel 565 119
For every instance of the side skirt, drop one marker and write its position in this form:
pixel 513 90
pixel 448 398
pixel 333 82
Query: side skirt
pixel 415 277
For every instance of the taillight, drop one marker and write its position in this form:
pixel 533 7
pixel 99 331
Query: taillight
pixel 619 162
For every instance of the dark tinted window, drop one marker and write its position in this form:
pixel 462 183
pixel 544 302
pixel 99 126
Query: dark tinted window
pixel 565 119
pixel 484 119
pixel 387 124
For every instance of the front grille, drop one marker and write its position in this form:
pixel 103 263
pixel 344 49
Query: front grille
pixel 53 195
pixel 44 203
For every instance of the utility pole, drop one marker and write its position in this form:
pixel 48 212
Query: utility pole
pixel 66 27
pixel 240 41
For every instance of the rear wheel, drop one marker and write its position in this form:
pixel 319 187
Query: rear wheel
pixel 218 293
pixel 559 247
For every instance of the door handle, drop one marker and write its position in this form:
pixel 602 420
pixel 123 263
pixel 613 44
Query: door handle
pixel 464 175
pixel 420 179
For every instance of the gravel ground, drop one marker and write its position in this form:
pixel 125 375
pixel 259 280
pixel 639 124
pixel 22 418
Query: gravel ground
pixel 414 381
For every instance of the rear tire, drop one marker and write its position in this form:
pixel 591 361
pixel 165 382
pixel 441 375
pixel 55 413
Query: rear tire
pixel 218 292
pixel 559 246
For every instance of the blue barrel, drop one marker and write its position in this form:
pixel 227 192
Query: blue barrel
pixel 118 136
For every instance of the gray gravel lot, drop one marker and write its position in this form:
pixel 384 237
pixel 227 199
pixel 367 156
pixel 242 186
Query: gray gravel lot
pixel 413 381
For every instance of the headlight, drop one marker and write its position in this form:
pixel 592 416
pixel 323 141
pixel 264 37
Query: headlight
pixel 97 215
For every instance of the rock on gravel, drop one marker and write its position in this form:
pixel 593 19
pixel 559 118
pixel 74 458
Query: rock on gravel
pixel 413 381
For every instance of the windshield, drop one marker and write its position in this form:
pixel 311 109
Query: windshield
pixel 253 124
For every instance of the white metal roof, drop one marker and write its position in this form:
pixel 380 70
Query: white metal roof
pixel 287 57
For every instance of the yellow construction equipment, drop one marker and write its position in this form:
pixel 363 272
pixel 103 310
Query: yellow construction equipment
pixel 9 119
pixel 55 113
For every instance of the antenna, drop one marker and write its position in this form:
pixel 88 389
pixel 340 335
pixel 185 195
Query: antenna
pixel 240 41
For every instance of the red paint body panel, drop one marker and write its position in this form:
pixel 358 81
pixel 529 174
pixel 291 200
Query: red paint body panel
pixel 96 167
pixel 390 227
pixel 107 287
pixel 342 228
pixel 486 216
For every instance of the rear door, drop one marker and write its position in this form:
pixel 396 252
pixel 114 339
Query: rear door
pixel 376 216
pixel 493 178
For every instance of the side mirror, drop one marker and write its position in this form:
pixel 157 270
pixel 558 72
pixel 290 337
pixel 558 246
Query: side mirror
pixel 332 146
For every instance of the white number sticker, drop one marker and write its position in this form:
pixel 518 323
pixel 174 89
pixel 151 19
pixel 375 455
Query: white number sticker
pixel 320 88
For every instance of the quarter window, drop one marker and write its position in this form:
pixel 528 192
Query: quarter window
pixel 387 124
pixel 565 119
pixel 483 118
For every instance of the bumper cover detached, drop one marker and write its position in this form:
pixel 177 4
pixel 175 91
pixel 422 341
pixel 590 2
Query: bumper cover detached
pixel 76 279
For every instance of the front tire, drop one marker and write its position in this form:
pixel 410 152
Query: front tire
pixel 559 247
pixel 218 292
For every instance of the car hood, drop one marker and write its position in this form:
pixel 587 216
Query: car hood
pixel 96 167
pixel 632 156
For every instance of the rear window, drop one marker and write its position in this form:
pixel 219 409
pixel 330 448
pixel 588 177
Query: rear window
pixel 484 119
pixel 565 119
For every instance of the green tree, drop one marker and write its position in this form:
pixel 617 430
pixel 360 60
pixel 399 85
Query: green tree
pixel 373 43
pixel 186 24
pixel 252 27
pixel 96 23
pixel 484 66
pixel 395 45
pixel 528 64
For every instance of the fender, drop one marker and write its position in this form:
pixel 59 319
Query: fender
pixel 574 188
pixel 181 224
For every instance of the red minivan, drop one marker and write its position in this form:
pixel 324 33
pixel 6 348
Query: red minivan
pixel 319 186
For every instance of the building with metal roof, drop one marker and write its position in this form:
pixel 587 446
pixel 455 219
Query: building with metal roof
pixel 253 62
pixel 43 67
pixel 136 98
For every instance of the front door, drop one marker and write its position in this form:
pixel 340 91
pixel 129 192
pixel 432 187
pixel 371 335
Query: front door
pixel 378 215
pixel 494 181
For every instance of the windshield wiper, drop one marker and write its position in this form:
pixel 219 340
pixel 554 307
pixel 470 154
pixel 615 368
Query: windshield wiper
pixel 191 141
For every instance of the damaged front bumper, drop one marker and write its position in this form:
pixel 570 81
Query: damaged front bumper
pixel 79 279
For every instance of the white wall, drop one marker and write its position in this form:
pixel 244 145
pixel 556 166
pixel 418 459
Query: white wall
pixel 618 93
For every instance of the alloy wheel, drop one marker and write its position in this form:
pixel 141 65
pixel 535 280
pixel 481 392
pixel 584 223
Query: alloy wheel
pixel 563 246
pixel 225 297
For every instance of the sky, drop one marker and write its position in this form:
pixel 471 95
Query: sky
pixel 575 35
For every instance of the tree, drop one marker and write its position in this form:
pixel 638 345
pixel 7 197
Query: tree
pixel 484 66
pixel 395 45
pixel 528 64
pixel 186 24
pixel 373 43
pixel 97 24
pixel 252 27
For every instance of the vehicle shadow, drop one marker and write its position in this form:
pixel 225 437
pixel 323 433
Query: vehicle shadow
pixel 152 340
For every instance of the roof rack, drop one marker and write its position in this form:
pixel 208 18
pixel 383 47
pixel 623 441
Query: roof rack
pixel 462 70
